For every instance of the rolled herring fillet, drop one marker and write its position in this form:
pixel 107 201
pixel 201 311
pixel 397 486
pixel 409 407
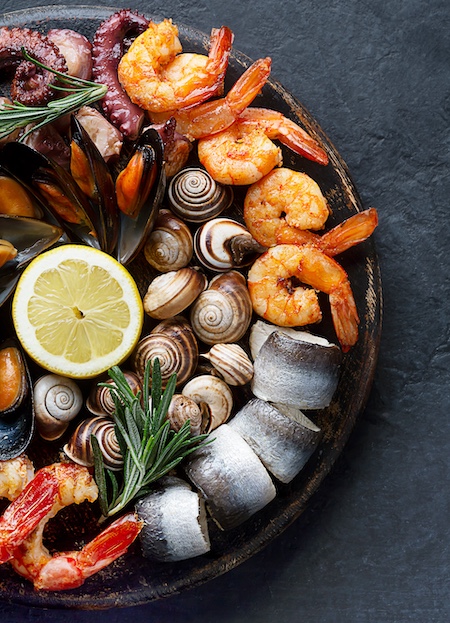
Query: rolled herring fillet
pixel 231 478
pixel 175 525
pixel 283 444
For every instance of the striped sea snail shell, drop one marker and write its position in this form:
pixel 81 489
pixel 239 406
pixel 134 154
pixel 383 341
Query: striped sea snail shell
pixel 175 345
pixel 196 197
pixel 170 245
pixel 222 243
pixel 181 409
pixel 214 394
pixel 79 447
pixel 171 293
pixel 100 400
pixel 231 362
pixel 223 312
pixel 57 401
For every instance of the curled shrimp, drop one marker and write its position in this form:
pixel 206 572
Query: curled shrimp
pixel 244 152
pixel 22 525
pixel 278 294
pixel 158 78
pixel 282 201
pixel 216 115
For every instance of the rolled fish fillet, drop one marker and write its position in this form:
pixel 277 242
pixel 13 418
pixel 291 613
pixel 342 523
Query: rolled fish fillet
pixel 231 478
pixel 175 524
pixel 283 444
pixel 291 371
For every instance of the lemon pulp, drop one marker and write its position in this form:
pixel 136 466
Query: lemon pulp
pixel 77 311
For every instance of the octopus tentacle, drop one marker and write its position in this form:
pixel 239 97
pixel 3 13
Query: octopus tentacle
pixel 30 85
pixel 110 42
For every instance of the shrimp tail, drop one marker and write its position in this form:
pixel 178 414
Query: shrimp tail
pixel 68 571
pixel 345 315
pixel 24 514
pixel 349 233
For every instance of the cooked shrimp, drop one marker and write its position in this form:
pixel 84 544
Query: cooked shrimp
pixel 53 488
pixel 15 474
pixel 217 115
pixel 158 78
pixel 278 297
pixel 282 201
pixel 244 152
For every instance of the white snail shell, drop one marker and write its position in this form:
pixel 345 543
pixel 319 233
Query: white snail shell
pixel 215 394
pixel 221 244
pixel 175 345
pixel 170 245
pixel 231 362
pixel 79 447
pixel 181 409
pixel 57 401
pixel 223 312
pixel 100 400
pixel 171 293
pixel 196 197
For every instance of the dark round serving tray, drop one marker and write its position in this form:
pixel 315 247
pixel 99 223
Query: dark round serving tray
pixel 133 580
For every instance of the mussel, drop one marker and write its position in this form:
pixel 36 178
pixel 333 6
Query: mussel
pixel 16 401
pixel 28 237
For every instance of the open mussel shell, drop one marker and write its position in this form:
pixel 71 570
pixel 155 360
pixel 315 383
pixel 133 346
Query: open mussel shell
pixel 91 173
pixel 15 199
pixel 16 401
pixel 289 370
pixel 148 184
pixel 196 197
pixel 283 444
pixel 29 237
pixel 56 188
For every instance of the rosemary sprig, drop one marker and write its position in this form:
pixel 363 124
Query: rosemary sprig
pixel 149 447
pixel 79 93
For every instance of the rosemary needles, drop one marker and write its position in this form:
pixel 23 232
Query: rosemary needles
pixel 149 447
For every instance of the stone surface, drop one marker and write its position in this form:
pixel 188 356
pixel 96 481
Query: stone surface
pixel 374 545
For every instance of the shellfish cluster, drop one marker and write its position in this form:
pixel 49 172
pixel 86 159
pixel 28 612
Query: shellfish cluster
pixel 182 236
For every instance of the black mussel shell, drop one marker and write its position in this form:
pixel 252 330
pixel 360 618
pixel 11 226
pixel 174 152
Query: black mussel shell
pixel 17 419
pixel 55 187
pixel 92 174
pixel 30 237
pixel 134 230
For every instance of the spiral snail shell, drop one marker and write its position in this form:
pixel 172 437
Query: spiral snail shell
pixel 181 409
pixel 222 243
pixel 57 401
pixel 170 293
pixel 212 392
pixel 231 362
pixel 100 400
pixel 196 197
pixel 223 312
pixel 170 245
pixel 79 447
pixel 175 345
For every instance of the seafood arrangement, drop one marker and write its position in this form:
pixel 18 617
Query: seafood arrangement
pixel 186 184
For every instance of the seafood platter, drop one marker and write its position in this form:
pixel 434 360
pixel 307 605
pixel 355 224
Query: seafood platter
pixel 254 306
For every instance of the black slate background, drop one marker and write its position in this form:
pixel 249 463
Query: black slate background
pixel 374 545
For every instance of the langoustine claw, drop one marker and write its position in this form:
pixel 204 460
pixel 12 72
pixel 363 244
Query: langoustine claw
pixel 30 85
pixel 110 42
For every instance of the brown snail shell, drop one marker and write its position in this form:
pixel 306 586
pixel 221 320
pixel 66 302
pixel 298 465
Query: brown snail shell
pixel 175 345
pixel 223 312
pixel 196 197
pixel 221 244
pixel 100 400
pixel 57 401
pixel 215 394
pixel 181 409
pixel 79 447
pixel 231 362
pixel 170 245
pixel 171 293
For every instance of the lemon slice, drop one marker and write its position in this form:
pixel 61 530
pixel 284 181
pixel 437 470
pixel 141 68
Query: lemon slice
pixel 77 311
